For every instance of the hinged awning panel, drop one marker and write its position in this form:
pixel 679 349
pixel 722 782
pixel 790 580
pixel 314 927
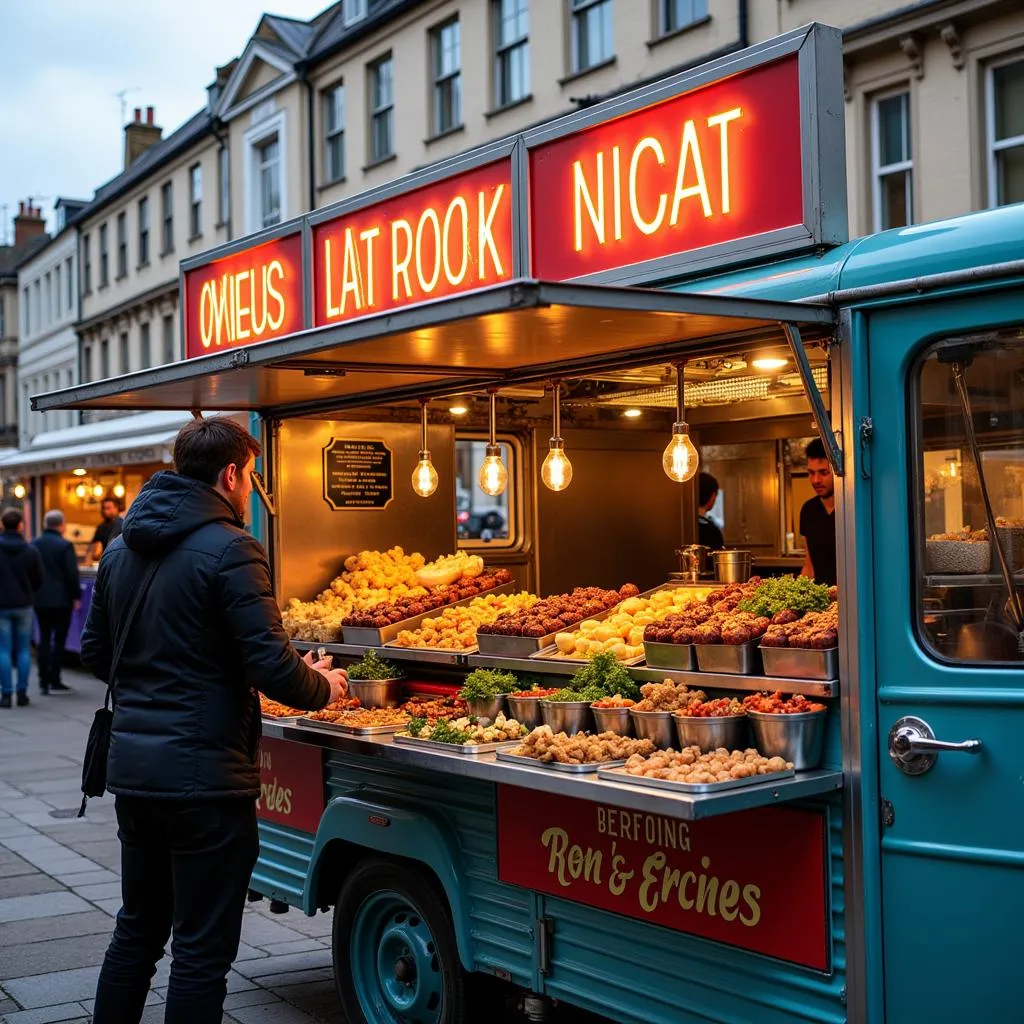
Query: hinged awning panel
pixel 521 331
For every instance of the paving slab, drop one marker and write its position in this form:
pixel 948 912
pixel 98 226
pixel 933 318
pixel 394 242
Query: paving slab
pixel 54 988
pixel 272 1013
pixel 50 904
pixel 258 930
pixel 302 945
pixel 318 927
pixel 297 977
pixel 98 891
pixel 48 1014
pixel 91 922
pixel 28 959
pixel 11 864
pixel 90 877
pixel 251 997
pixel 27 885
pixel 282 964
pixel 111 906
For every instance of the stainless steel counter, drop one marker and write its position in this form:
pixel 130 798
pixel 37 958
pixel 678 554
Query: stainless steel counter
pixel 687 807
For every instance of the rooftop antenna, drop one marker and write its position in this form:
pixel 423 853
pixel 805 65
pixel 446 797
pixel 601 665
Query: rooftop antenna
pixel 122 95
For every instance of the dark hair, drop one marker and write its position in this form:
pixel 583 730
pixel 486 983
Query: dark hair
pixel 11 518
pixel 113 501
pixel 707 485
pixel 206 446
pixel 816 450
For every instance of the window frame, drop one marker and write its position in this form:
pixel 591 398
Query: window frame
pixel 503 52
pixel 167 218
pixel 169 342
pixel 354 11
pixel 270 127
pixel 124 351
pixel 696 17
pixel 69 273
pixel 223 186
pixel 143 218
pixel 992 146
pixel 386 110
pixel 262 165
pixel 516 475
pixel 579 10
pixel 87 264
pixel 104 256
pixel 333 175
pixel 916 494
pixel 122 245
pixel 442 78
pixel 145 346
pixel 195 201
pixel 879 170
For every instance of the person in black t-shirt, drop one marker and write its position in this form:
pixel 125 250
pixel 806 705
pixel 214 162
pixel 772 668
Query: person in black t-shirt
pixel 818 520
pixel 708 532
pixel 108 529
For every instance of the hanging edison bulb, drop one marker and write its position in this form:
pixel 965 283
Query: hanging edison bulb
pixel 556 470
pixel 680 459
pixel 424 476
pixel 493 476
pixel 80 491
pixel 97 490
pixel 118 490
pixel 20 491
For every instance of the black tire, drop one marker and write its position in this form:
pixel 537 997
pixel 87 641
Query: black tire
pixel 368 921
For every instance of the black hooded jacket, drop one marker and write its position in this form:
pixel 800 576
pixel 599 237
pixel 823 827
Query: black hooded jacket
pixel 21 571
pixel 206 638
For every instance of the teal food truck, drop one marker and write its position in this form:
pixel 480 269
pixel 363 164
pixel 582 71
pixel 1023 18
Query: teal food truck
pixel 672 263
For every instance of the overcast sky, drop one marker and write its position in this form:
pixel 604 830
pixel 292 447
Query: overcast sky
pixel 64 61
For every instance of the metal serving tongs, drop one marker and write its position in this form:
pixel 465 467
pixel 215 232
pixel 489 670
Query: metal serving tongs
pixel 1013 604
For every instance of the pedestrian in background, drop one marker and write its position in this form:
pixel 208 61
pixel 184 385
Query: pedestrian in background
pixel 110 527
pixel 59 595
pixel 184 742
pixel 21 575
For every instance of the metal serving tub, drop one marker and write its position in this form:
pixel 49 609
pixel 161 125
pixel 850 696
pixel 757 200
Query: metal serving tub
pixel 677 657
pixel 800 662
pixel 729 731
pixel 489 707
pixel 556 766
pixel 525 710
pixel 376 693
pixel 655 726
pixel 732 659
pixel 568 716
pixel 615 720
pixel 797 738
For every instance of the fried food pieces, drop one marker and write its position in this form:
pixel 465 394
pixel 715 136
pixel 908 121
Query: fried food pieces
pixel 817 631
pixel 559 612
pixel 690 765
pixel 455 629
pixel 667 696
pixel 546 746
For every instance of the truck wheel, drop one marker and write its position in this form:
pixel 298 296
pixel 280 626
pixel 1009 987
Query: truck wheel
pixel 395 957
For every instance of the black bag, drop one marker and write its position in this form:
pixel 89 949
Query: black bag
pixel 97 747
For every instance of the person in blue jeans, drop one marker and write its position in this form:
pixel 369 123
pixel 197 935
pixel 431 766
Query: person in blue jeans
pixel 21 575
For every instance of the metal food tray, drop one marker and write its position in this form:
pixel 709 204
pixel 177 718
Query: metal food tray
pixel 282 719
pixel 621 775
pixel 370 636
pixel 676 657
pixel 551 654
pixel 533 646
pixel 456 748
pixel 732 659
pixel 572 769
pixel 801 662
pixel 432 655
pixel 352 730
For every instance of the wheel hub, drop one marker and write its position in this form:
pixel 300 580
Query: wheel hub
pixel 405 970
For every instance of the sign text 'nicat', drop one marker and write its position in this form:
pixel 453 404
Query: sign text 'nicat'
pixel 439 240
pixel 251 296
pixel 716 165
pixel 754 879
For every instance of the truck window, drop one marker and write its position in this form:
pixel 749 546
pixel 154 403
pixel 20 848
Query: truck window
pixel 483 520
pixel 966 613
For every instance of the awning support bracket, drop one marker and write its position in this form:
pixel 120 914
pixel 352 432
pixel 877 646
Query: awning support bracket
pixel 266 498
pixel 821 416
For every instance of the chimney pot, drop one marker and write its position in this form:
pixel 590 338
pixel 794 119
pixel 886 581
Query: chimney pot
pixel 138 115
pixel 149 115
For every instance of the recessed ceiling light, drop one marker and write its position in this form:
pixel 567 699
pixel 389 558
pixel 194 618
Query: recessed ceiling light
pixel 769 363
pixel 78 472
pixel 632 414
pixel 458 408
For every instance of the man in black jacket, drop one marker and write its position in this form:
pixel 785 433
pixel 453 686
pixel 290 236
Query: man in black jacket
pixel 55 600
pixel 184 742
pixel 21 575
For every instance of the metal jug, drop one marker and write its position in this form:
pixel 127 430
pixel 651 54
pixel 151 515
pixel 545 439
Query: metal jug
pixel 693 561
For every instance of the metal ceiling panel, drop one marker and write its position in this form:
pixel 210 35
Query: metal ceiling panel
pixel 524 330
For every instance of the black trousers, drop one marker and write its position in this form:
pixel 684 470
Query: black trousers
pixel 185 869
pixel 53 634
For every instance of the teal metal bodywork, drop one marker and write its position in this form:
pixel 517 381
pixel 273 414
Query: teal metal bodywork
pixel 930 910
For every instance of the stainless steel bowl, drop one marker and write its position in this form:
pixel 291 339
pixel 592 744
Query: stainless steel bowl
pixel 568 716
pixel 655 726
pixel 376 693
pixel 612 720
pixel 797 738
pixel 732 566
pixel 489 708
pixel 525 710
pixel 729 731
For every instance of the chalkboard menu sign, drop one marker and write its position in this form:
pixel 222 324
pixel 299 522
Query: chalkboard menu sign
pixel 357 474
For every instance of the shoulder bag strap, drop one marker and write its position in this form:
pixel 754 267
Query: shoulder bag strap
pixel 119 646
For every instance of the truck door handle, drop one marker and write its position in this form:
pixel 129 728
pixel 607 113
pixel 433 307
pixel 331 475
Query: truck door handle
pixel 914 748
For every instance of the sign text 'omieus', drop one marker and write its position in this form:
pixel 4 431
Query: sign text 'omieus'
pixel 707 167
pixel 251 296
pixel 449 237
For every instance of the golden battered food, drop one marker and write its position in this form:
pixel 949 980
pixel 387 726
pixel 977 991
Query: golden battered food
pixel 690 765
pixel 455 629
pixel 272 709
pixel 433 708
pixel 546 746
pixel 667 696
pixel 365 718
pixel 449 568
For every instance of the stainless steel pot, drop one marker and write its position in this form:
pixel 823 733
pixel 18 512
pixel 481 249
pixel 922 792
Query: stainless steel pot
pixel 732 566
pixel 525 710
pixel 729 731
pixel 693 561
pixel 797 738
pixel 612 720
pixel 376 693
pixel 568 716
pixel 655 726
pixel 488 708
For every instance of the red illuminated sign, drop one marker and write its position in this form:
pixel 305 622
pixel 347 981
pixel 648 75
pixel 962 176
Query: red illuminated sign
pixel 291 784
pixel 755 879
pixel 449 237
pixel 711 166
pixel 238 300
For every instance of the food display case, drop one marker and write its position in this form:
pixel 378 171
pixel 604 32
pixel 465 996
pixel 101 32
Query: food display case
pixel 625 873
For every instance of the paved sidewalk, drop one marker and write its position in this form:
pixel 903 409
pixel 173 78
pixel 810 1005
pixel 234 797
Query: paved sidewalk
pixel 60 890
